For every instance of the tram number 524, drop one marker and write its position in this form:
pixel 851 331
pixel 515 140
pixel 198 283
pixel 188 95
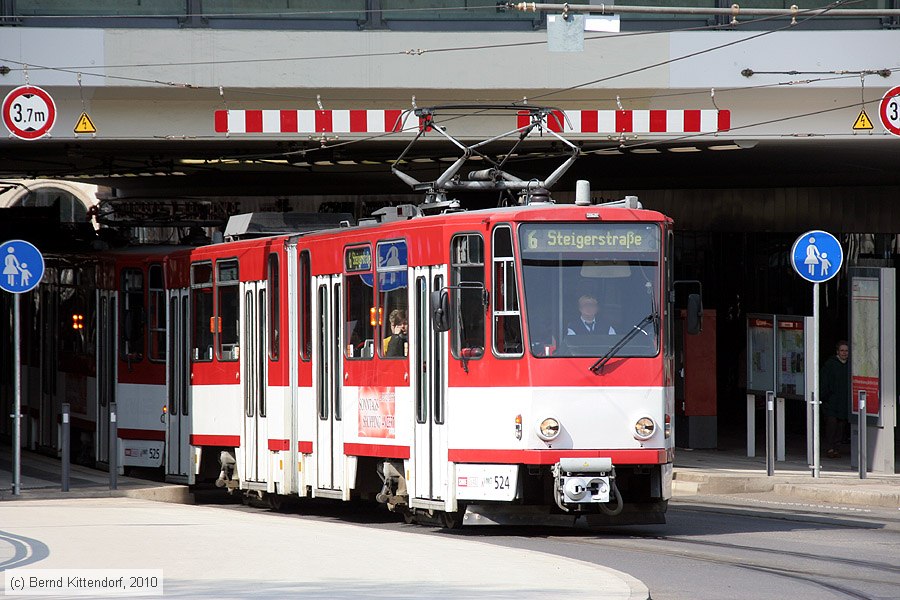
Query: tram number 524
pixel 501 482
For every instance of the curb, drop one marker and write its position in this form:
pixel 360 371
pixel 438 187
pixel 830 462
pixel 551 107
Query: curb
pixel 840 496
pixel 700 484
pixel 171 494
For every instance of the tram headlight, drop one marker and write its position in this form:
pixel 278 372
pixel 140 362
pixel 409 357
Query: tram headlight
pixel 644 428
pixel 548 429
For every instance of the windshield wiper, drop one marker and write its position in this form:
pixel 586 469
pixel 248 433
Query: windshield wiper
pixel 638 328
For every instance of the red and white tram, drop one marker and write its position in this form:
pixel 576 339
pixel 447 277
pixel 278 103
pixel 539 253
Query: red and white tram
pixel 282 370
pixel 131 354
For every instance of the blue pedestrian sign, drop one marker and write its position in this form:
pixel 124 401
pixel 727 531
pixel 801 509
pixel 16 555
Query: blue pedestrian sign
pixel 817 256
pixel 23 266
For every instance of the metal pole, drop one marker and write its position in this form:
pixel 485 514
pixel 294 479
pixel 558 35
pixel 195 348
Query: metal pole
pixel 815 387
pixel 770 433
pixel 113 448
pixel 779 429
pixel 64 442
pixel 734 12
pixel 751 425
pixel 862 458
pixel 17 399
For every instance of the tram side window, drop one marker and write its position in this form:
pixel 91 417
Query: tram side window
pixel 202 312
pixel 304 311
pixel 156 313
pixel 507 320
pixel 393 298
pixel 274 307
pixel 467 279
pixel 359 304
pixel 227 315
pixel 131 328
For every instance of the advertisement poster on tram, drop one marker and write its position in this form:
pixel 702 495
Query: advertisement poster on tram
pixel 865 343
pixel 376 412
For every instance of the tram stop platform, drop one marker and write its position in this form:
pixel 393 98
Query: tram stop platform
pixel 728 472
pixel 41 479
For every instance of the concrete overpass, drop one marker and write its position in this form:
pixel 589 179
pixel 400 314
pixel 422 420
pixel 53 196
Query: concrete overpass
pixel 154 94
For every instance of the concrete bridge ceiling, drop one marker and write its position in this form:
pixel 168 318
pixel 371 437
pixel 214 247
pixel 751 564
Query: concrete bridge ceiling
pixel 255 168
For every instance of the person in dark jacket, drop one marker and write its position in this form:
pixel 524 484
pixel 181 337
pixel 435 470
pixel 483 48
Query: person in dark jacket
pixel 835 392
pixel 398 343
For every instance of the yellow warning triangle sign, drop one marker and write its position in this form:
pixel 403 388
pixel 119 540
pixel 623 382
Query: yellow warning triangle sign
pixel 862 121
pixel 85 125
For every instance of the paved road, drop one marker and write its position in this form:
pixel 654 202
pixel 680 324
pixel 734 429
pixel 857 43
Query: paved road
pixel 737 550
pixel 231 552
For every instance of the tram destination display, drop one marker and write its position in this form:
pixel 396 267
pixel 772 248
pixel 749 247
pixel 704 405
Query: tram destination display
pixel 590 238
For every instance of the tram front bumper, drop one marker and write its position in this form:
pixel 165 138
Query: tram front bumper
pixel 580 481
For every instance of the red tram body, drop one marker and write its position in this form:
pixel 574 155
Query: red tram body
pixel 279 363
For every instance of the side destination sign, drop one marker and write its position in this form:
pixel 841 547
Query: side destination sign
pixel 358 259
pixel 590 238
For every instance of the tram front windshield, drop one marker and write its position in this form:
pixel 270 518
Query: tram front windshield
pixel 587 285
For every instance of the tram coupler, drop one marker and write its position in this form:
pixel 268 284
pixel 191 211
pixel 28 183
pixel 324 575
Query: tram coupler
pixel 580 482
pixel 226 475
pixel 393 492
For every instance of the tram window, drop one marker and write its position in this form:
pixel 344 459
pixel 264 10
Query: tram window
pixel 156 313
pixel 274 309
pixel 360 313
pixel 131 327
pixel 393 315
pixel 304 311
pixel 467 268
pixel 507 320
pixel 588 285
pixel 227 310
pixel 75 316
pixel 202 312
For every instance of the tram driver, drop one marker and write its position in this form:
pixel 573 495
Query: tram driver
pixel 588 322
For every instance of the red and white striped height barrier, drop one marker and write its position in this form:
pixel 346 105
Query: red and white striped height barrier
pixel 606 122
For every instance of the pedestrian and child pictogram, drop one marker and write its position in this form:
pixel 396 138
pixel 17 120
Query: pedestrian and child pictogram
pixel 23 266
pixel 817 256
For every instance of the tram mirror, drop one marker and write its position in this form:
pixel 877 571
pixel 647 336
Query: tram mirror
pixel 440 310
pixel 694 314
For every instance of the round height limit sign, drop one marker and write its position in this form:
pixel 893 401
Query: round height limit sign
pixel 29 112
pixel 889 110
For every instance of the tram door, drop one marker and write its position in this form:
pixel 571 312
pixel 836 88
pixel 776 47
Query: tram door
pixel 178 381
pixel 328 365
pixel 254 378
pixel 106 368
pixel 430 372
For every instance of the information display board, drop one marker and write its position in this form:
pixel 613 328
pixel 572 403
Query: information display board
pixel 776 355
pixel 865 342
pixel 789 343
pixel 760 353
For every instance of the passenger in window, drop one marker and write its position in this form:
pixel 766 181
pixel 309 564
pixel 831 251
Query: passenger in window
pixel 587 322
pixel 397 344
